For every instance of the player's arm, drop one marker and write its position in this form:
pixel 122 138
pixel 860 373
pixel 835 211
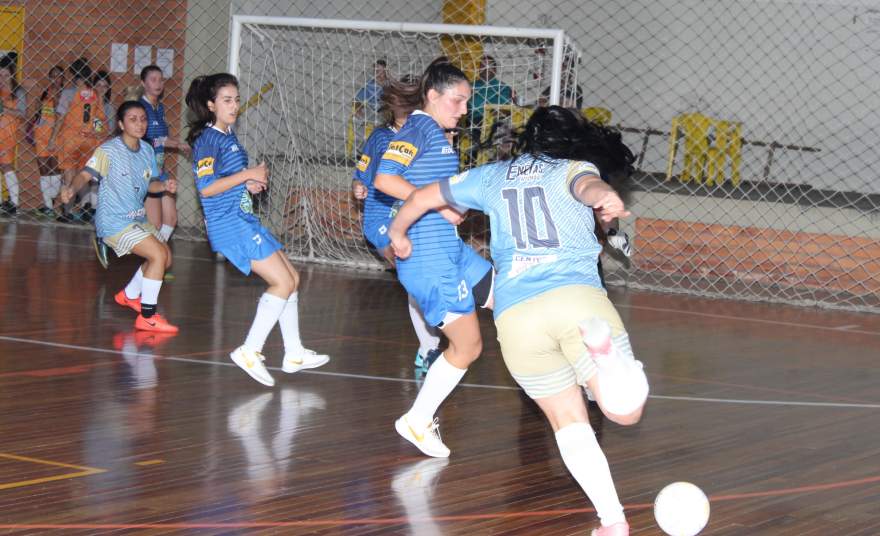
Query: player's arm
pixel 417 204
pixel 156 185
pixel 588 188
pixel 255 177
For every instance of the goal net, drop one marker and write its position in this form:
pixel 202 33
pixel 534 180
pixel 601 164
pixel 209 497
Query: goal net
pixel 310 92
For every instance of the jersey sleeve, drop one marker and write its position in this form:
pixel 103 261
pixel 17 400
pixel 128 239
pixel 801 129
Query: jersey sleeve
pixel 403 150
pixel 578 170
pixel 98 164
pixel 362 168
pixel 206 158
pixel 465 190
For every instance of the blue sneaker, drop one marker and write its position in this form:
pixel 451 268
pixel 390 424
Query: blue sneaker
pixel 101 251
pixel 426 361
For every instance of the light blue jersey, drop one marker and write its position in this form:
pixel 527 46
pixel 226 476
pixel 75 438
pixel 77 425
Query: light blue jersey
pixel 377 205
pixel 542 237
pixel 124 176
pixel 233 228
pixel 442 270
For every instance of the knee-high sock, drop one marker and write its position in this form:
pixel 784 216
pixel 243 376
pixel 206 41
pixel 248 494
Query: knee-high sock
pixel 12 186
pixel 133 288
pixel 440 380
pixel 587 464
pixel 268 311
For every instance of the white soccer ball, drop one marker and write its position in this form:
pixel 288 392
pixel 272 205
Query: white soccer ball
pixel 681 509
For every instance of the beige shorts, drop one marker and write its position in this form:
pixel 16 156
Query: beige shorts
pixel 541 343
pixel 133 234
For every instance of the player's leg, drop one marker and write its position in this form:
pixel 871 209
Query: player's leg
pixel 429 337
pixel 419 425
pixel 153 208
pixel 157 258
pixel 169 222
pixel 529 336
pixel 296 356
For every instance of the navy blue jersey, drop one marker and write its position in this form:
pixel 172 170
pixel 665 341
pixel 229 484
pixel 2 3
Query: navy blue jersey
pixel 157 133
pixel 229 215
pixel 377 205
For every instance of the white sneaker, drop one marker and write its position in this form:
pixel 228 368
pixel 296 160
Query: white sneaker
pixel 427 439
pixel 303 359
pixel 252 363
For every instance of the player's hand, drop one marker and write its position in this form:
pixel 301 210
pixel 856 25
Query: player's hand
pixel 171 186
pixel 358 190
pixel 66 194
pixel 401 245
pixel 259 173
pixel 620 241
pixel 610 206
pixel 255 187
pixel 451 215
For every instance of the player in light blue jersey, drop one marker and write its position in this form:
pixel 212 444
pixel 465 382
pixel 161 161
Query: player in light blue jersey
pixel 447 278
pixel 225 184
pixel 556 326
pixel 378 207
pixel 125 169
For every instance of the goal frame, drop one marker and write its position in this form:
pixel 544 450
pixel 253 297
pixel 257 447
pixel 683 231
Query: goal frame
pixel 556 35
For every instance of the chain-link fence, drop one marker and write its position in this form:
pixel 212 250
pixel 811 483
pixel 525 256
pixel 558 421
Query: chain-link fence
pixel 755 123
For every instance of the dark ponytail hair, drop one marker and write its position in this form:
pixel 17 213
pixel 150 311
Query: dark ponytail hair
pixel 557 132
pixel 123 109
pixel 202 90
pixel 392 104
pixel 440 75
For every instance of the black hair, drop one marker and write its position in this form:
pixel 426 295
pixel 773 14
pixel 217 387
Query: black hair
pixel 10 62
pixel 391 103
pixel 440 75
pixel 202 90
pixel 557 132
pixel 80 70
pixel 382 62
pixel 103 75
pixel 148 69
pixel 123 109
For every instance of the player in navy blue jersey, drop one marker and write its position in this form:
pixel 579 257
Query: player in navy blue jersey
pixel 161 209
pixel 447 278
pixel 378 208
pixel 225 184
pixel 557 329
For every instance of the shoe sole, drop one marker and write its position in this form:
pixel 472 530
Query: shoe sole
pixel 157 329
pixel 103 261
pixel 268 383
pixel 304 366
pixel 403 430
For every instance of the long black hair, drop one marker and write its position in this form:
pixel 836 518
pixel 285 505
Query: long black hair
pixel 123 109
pixel 563 133
pixel 10 63
pixel 440 75
pixel 202 90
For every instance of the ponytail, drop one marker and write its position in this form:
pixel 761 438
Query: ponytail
pixel 201 90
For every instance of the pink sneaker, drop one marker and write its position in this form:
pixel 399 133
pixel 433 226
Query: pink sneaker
pixel 617 529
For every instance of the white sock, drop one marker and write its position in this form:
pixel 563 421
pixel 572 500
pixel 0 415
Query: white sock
pixel 12 186
pixel 289 322
pixel 587 464
pixel 165 232
pixel 269 309
pixel 150 291
pixel 133 288
pixel 440 380
pixel 46 189
pixel 428 337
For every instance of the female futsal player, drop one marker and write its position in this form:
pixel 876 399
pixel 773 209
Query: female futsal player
pixel 225 184
pixel 548 297
pixel 125 169
pixel 445 276
pixel 378 208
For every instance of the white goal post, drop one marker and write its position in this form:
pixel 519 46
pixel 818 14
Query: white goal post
pixel 306 112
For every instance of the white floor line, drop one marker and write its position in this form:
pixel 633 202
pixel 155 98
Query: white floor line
pixel 471 385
